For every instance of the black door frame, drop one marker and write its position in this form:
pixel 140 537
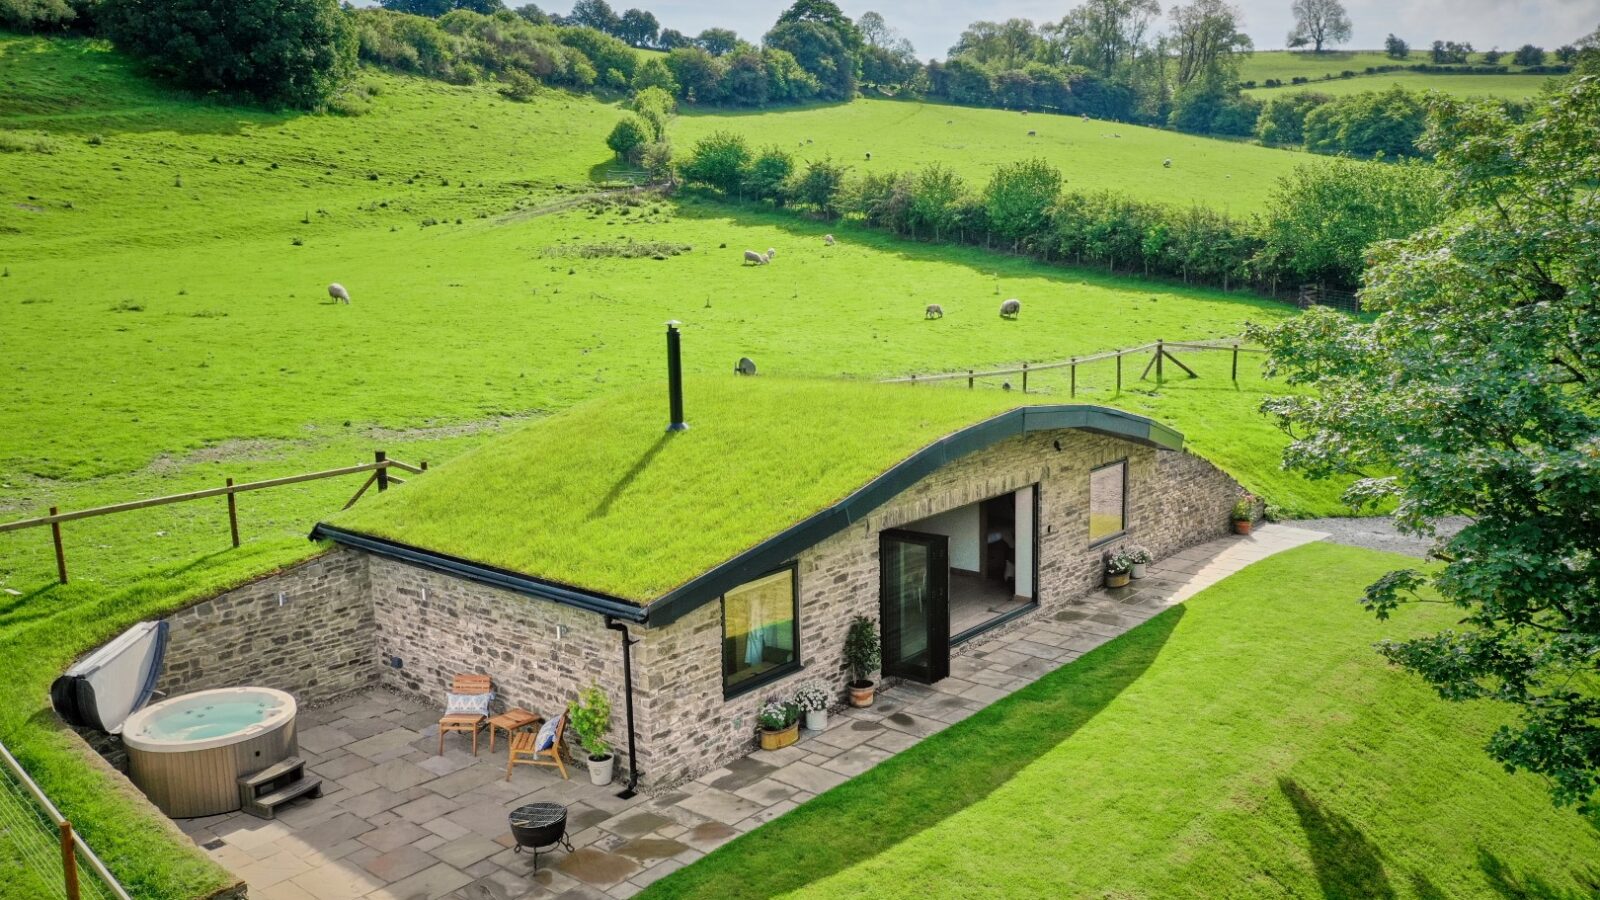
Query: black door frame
pixel 936 614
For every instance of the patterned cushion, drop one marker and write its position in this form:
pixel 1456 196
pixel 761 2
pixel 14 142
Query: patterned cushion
pixel 547 735
pixel 469 704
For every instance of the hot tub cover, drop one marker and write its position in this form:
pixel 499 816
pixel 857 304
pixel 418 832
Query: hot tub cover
pixel 113 682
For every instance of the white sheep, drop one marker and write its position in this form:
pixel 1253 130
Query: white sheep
pixel 338 293
pixel 1166 163
pixel 934 311
pixel 771 253
pixel 1010 309
pixel 751 256
pixel 828 239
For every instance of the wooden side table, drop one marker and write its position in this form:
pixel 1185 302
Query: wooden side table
pixel 512 720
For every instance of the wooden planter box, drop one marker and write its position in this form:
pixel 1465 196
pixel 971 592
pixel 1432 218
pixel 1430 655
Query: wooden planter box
pixel 777 740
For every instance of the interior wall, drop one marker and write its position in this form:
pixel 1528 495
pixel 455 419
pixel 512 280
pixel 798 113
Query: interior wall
pixel 1025 541
pixel 960 525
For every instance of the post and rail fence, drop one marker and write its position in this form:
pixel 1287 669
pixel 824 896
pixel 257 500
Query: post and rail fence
pixel 1160 353
pixel 380 476
pixel 28 817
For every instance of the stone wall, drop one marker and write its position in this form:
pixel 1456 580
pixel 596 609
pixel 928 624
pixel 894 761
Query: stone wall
pixel 317 643
pixel 432 626
pixel 1174 500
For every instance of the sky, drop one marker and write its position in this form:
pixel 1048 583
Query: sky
pixel 932 25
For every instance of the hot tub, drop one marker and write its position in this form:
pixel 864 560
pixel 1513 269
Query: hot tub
pixel 187 753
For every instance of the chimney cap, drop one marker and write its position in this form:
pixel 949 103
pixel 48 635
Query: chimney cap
pixel 673 323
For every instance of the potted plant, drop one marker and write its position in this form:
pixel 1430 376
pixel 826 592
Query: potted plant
pixel 780 724
pixel 1118 565
pixel 1244 512
pixel 590 717
pixel 862 653
pixel 812 697
pixel 1140 557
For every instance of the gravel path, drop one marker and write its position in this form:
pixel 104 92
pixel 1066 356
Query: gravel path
pixel 1379 533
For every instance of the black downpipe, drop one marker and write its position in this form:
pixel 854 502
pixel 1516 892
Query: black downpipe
pixel 675 378
pixel 628 792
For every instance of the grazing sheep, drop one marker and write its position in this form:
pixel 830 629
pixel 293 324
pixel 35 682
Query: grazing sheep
pixel 1086 117
pixel 869 154
pixel 934 311
pixel 338 293
pixel 1033 134
pixel 1010 308
pixel 771 253
pixel 751 256
pixel 828 239
pixel 1166 163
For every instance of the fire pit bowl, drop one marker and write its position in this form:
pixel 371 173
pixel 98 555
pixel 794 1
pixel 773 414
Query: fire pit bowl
pixel 539 825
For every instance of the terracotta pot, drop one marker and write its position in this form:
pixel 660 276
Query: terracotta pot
pixel 1242 526
pixel 783 737
pixel 1116 579
pixel 861 693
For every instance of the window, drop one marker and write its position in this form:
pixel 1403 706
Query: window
pixel 760 631
pixel 1108 501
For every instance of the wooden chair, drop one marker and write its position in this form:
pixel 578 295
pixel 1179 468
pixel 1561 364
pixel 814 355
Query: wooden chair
pixel 469 722
pixel 524 750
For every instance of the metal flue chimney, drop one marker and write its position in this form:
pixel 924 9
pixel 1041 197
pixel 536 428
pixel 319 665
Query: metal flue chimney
pixel 675 377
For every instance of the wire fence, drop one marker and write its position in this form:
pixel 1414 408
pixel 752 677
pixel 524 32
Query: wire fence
pixel 40 855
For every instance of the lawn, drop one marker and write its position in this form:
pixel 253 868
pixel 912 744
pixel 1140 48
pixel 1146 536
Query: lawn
pixel 1249 743
pixel 1507 87
pixel 167 325
pixel 1093 155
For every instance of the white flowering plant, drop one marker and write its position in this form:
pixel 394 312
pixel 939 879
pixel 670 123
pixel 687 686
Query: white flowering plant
pixel 812 696
pixel 776 715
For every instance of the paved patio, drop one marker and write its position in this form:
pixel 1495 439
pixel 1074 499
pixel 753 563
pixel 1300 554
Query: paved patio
pixel 396 821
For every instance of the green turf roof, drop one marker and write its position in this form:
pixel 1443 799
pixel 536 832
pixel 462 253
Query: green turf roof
pixel 601 498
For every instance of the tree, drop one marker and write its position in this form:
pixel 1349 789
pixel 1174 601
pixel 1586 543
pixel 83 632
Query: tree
pixel 629 137
pixel 672 39
pixel 1206 38
pixel 1319 22
pixel 533 14
pixel 1476 392
pixel 1492 56
pixel 769 175
pixel 875 31
pixel 1368 124
pixel 1019 197
pixel 935 198
pixel 820 186
pixel 596 14
pixel 717 41
pixel 719 160
pixel 1000 45
pixel 1529 55
pixel 653 73
pixel 1106 35
pixel 1446 52
pixel 437 8
pixel 1395 47
pixel 824 42
pixel 745 82
pixel 291 52
pixel 1566 53
pixel 638 27
pixel 1283 119
pixel 698 73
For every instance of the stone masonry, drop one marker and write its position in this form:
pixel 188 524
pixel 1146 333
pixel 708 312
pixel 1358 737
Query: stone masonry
pixel 352 620
pixel 316 642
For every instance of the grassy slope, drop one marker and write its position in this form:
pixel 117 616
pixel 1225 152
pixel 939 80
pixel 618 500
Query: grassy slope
pixel 1510 87
pixel 1249 743
pixel 1287 64
pixel 901 136
pixel 160 336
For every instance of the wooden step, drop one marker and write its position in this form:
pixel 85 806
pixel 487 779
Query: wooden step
pixel 266 805
pixel 284 769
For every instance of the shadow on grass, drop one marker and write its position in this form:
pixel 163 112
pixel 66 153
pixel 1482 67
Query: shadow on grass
pixel 1347 863
pixel 926 784
pixel 1531 885
pixel 628 477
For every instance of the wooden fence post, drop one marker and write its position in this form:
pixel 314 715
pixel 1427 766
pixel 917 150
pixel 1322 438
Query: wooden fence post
pixel 424 466
pixel 233 516
pixel 1119 371
pixel 69 860
pixel 969 378
pixel 1024 378
pixel 61 553
pixel 1072 369
pixel 382 459
pixel 1235 363
pixel 1161 350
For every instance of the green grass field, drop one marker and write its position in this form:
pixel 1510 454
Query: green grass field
pixel 1503 87
pixel 1287 64
pixel 1095 155
pixel 1249 743
pixel 163 289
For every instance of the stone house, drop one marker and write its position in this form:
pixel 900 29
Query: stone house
pixel 692 575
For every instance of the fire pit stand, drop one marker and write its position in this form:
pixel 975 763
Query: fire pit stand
pixel 540 825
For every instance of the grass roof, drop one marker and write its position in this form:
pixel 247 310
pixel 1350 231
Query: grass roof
pixel 601 497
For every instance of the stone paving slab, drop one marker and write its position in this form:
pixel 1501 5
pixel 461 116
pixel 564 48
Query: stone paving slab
pixel 397 821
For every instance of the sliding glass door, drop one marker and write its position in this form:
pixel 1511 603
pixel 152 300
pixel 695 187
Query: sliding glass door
pixel 915 596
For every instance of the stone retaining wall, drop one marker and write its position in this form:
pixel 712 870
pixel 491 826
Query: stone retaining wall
pixel 307 630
